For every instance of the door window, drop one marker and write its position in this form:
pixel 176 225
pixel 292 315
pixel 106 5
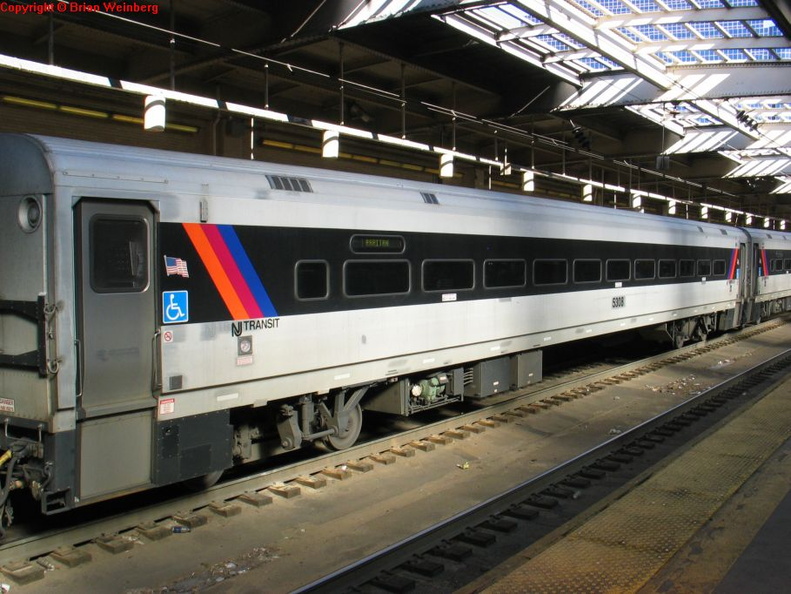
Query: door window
pixel 118 254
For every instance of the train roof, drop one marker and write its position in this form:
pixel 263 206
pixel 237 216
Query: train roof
pixel 291 195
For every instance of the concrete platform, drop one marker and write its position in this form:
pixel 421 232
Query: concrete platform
pixel 716 519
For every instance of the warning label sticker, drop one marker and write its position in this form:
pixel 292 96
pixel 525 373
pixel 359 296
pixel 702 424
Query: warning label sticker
pixel 167 406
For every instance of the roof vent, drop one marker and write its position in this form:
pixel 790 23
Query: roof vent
pixel 723 231
pixel 429 198
pixel 292 184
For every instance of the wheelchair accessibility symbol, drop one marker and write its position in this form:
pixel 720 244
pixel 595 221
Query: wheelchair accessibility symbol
pixel 175 307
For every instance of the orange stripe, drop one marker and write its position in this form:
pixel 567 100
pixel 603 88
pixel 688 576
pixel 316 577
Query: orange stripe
pixel 216 271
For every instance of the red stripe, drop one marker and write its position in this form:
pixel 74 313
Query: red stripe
pixel 232 270
pixel 734 261
pixel 216 270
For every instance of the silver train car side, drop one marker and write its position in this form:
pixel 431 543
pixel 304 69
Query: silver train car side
pixel 166 316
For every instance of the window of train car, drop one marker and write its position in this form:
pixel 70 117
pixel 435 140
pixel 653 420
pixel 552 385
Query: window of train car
pixel 550 272
pixel 312 280
pixel 704 267
pixel 777 265
pixel 119 254
pixel 587 271
pixel 687 268
pixel 362 278
pixel 719 268
pixel 644 269
pixel 787 264
pixel 502 274
pixel 448 275
pixel 667 269
pixel 618 270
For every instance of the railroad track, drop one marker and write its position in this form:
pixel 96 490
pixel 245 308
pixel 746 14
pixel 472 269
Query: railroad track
pixel 419 562
pixel 112 532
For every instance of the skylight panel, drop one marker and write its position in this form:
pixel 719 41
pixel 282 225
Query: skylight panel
pixel 590 8
pixel 644 6
pixel 665 57
pixel 568 40
pixel 524 18
pixel 709 56
pixel 679 31
pixel 707 30
pixel 704 120
pixel 734 55
pixel 684 56
pixel 552 43
pixel 500 18
pixel 651 32
pixel 593 64
pixel 678 4
pixel 742 3
pixel 735 28
pixel 765 27
pixel 615 6
pixel 711 3
pixel 761 55
pixel 611 63
pixel 631 35
pixel 784 53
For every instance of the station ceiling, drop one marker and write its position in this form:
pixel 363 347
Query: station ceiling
pixel 679 106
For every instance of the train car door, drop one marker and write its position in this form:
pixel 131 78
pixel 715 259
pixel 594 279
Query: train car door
pixel 116 345
pixel 117 313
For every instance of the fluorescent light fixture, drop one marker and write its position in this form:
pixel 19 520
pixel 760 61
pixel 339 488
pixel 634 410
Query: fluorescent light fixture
pixel 446 165
pixel 356 132
pixel 264 114
pixel 154 114
pixel 528 181
pixel 587 193
pixel 331 144
pixel 403 142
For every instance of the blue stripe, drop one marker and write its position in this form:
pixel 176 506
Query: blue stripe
pixel 247 270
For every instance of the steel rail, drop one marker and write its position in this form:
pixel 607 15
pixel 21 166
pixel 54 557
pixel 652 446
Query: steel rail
pixel 361 571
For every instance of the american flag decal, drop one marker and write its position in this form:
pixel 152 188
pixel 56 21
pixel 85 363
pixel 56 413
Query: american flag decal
pixel 176 266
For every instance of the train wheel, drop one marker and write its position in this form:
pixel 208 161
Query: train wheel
pixel 677 333
pixel 678 339
pixel 347 437
pixel 6 518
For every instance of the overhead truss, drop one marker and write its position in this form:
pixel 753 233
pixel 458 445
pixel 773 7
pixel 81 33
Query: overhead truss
pixel 715 72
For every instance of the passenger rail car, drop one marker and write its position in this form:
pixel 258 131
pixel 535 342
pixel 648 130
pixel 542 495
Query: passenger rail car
pixel 166 316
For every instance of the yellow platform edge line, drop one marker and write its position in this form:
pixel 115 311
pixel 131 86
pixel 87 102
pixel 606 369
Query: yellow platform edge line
pixel 627 543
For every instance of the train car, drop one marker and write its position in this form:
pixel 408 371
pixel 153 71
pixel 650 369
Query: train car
pixel 166 316
pixel 770 255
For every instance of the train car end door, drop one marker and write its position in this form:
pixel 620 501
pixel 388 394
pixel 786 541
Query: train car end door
pixel 116 344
